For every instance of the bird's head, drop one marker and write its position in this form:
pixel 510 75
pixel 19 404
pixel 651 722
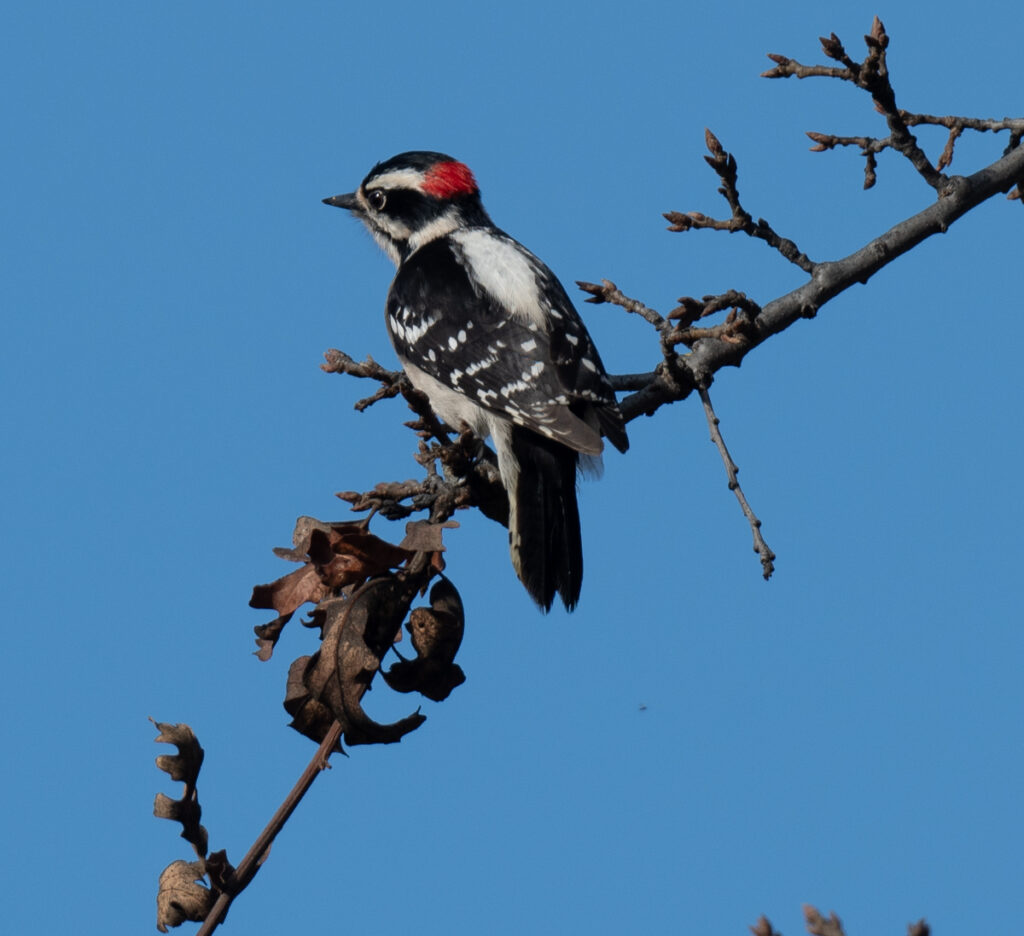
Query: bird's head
pixel 413 198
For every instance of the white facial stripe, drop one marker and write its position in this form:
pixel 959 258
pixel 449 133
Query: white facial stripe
pixel 445 224
pixel 396 179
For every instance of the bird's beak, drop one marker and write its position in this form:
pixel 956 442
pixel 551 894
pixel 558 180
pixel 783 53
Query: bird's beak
pixel 348 202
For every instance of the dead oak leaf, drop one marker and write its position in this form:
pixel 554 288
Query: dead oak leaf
pixel 334 555
pixel 436 636
pixel 181 897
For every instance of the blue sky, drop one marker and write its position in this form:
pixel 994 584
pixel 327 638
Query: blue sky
pixel 693 747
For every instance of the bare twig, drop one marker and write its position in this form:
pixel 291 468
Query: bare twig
pixel 760 546
pixel 256 855
pixel 817 925
pixel 957 125
pixel 733 329
pixel 338 362
pixel 829 280
pixel 827 141
pixel 789 68
pixel 609 292
pixel 869 146
pixel 726 167
pixel 953 122
pixel 387 498
pixel 873 76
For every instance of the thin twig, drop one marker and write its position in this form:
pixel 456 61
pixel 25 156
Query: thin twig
pixel 829 280
pixel 250 864
pixel 392 382
pixel 737 324
pixel 873 76
pixel 817 925
pixel 726 168
pixel 951 122
pixel 607 291
pixel 956 126
pixel 760 546
pixel 827 141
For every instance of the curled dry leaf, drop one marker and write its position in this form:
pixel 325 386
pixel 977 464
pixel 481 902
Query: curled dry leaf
pixel 371 622
pixel 363 588
pixel 425 536
pixel 188 812
pixel 181 897
pixel 220 871
pixel 310 716
pixel 334 555
pixel 329 685
pixel 436 635
pixel 183 767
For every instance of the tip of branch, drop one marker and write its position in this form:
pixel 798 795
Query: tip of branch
pixel 823 141
pixel 688 310
pixel 335 361
pixel 678 221
pixel 782 64
pixel 870 176
pixel 594 290
pixel 711 141
pixel 831 46
pixel 878 35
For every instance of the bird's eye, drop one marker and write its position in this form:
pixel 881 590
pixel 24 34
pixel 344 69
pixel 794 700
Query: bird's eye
pixel 377 199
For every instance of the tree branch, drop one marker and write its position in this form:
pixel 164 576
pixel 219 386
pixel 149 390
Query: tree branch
pixel 725 166
pixel 256 855
pixel 760 546
pixel 873 76
pixel 828 281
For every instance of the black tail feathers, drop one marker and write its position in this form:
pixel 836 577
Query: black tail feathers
pixel 544 520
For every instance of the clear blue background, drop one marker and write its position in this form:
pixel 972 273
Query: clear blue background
pixel 692 748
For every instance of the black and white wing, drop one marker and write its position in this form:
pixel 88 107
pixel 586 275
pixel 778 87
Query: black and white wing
pixel 482 316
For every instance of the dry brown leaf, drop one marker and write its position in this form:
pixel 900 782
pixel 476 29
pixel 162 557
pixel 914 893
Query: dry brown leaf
pixel 436 635
pixel 335 555
pixel 310 716
pixel 180 897
pixel 183 767
pixel 329 685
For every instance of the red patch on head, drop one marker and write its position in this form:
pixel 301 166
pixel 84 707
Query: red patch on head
pixel 447 179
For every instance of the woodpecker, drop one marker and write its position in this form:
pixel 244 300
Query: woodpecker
pixel 486 331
